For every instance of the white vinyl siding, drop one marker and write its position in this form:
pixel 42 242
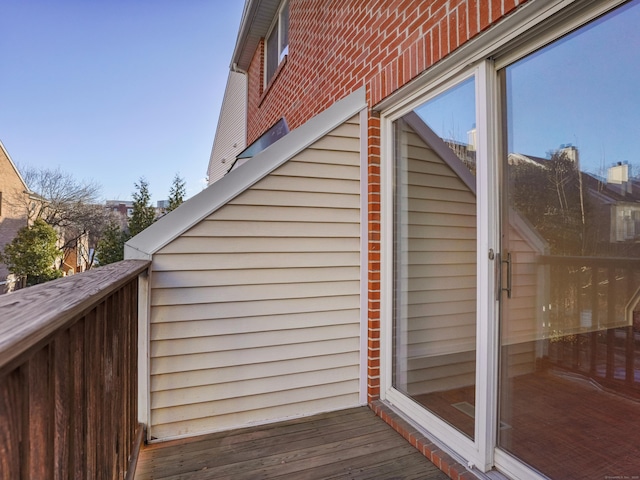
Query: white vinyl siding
pixel 255 310
pixel 230 138
pixel 440 301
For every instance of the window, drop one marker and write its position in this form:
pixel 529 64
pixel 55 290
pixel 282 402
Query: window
pixel 277 41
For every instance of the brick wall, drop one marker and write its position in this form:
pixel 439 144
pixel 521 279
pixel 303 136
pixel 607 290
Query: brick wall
pixel 337 46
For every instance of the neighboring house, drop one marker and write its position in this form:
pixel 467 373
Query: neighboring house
pixel 375 254
pixel 76 254
pixel 231 133
pixel 14 198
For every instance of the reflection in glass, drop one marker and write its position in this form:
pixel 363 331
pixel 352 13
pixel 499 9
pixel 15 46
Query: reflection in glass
pixel 570 334
pixel 434 356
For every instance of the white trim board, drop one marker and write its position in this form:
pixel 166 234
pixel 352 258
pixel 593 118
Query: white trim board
pixel 172 225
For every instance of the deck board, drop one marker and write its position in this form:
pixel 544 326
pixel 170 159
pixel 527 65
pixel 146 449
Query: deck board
pixel 351 443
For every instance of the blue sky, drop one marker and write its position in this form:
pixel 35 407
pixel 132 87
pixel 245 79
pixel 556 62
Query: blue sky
pixel 115 90
pixel 581 90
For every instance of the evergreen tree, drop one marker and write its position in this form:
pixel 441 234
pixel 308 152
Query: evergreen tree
pixel 111 246
pixel 33 253
pixel 177 193
pixel 143 212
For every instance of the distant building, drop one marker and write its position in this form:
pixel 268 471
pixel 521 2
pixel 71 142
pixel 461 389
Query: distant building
pixel 122 208
pixel 14 198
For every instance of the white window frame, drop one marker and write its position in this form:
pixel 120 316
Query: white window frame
pixel 470 452
pixel 529 28
pixel 283 51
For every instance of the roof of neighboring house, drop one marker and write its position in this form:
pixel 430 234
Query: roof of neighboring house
pixel 6 154
pixel 200 206
pixel 257 18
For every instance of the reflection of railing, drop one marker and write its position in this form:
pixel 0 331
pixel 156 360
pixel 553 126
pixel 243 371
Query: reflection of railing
pixel 597 332
pixel 68 376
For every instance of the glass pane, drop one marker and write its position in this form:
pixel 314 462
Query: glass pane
pixel 570 333
pixel 284 30
pixel 435 257
pixel 272 53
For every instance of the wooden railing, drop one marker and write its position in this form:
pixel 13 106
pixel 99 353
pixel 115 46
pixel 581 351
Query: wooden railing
pixel 608 351
pixel 68 376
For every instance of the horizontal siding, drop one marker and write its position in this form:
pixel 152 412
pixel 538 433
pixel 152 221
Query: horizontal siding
pixel 244 403
pixel 228 358
pixel 191 261
pixel 203 278
pixel 264 323
pixel 291 196
pixel 230 134
pixel 248 341
pixel 179 313
pixel 245 293
pixel 216 376
pixel 222 420
pixel 230 228
pixel 255 311
pixel 236 388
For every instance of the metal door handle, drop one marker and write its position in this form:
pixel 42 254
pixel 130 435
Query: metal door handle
pixel 507 260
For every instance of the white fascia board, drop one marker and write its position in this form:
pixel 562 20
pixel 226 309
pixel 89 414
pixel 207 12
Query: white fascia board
pixel 175 223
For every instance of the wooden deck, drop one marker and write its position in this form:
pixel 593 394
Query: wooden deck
pixel 347 444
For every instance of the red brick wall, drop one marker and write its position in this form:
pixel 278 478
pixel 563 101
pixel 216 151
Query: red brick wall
pixel 337 46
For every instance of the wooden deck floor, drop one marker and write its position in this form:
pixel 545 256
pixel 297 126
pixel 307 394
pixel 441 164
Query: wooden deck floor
pixel 347 444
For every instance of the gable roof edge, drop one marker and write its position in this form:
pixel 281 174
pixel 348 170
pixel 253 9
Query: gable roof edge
pixel 15 168
pixel 200 206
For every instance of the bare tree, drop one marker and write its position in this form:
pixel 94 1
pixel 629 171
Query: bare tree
pixel 63 198
pixel 72 207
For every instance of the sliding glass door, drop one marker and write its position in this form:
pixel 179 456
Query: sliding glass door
pixel 569 391
pixel 511 255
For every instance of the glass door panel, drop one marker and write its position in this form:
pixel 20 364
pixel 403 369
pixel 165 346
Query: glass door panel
pixel 570 322
pixel 434 327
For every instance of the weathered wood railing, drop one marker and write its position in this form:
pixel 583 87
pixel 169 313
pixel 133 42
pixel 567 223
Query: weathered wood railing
pixel 68 376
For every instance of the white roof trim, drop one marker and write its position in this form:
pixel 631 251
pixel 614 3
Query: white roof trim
pixel 172 225
pixel 4 150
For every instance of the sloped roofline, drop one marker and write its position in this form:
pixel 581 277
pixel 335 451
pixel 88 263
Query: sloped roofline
pixel 175 223
pixel 6 154
pixel 257 18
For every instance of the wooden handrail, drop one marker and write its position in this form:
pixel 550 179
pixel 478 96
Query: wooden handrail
pixel 31 315
pixel 69 376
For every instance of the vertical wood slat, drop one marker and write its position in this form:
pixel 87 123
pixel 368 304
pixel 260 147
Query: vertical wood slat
pixel 38 441
pixel 68 409
pixel 91 419
pixel 10 425
pixel 79 399
pixel 62 385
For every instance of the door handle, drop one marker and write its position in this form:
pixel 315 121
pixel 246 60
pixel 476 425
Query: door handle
pixel 507 260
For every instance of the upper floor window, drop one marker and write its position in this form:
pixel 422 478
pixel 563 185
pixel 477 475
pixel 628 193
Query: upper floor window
pixel 277 41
